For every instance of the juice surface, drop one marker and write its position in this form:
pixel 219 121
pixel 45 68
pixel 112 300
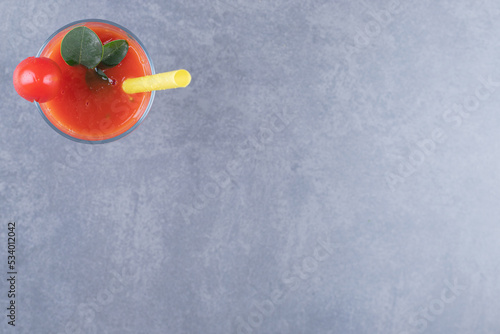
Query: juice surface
pixel 88 107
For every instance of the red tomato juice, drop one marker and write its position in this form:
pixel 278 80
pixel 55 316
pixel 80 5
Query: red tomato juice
pixel 89 108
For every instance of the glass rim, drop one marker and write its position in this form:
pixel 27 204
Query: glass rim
pixel 151 98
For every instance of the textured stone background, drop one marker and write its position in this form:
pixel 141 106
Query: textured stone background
pixel 332 168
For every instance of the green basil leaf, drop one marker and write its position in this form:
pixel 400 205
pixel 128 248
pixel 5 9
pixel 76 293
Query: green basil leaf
pixel 101 74
pixel 114 52
pixel 81 46
pixel 96 79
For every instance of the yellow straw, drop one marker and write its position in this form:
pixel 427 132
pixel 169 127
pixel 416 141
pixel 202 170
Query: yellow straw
pixel 160 81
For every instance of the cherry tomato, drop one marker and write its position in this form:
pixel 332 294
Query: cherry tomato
pixel 37 79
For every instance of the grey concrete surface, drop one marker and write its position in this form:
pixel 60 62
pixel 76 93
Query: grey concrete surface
pixel 333 168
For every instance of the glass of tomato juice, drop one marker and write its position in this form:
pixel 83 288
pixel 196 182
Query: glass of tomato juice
pixel 92 111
